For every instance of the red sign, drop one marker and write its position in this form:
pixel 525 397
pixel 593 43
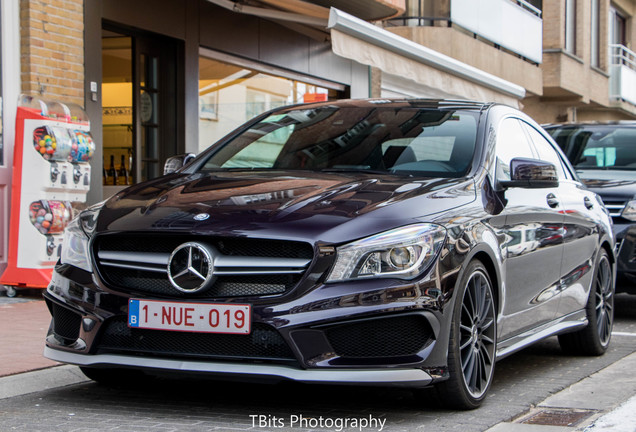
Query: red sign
pixel 315 97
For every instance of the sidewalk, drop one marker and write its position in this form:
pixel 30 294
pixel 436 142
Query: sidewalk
pixel 24 322
pixel 602 402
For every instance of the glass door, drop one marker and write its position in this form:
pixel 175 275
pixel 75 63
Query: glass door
pixel 155 96
pixel 141 108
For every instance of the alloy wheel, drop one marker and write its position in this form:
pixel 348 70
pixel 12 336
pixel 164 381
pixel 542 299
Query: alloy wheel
pixel 604 295
pixel 477 335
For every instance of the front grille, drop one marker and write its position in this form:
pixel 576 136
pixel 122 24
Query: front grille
pixel 263 343
pixel 381 337
pixel 228 246
pixel 66 324
pixel 138 263
pixel 615 208
pixel 228 286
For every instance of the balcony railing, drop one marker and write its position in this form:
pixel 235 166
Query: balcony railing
pixel 514 25
pixel 622 73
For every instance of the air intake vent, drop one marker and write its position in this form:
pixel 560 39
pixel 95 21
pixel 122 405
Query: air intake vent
pixel 264 342
pixel 66 324
pixel 382 337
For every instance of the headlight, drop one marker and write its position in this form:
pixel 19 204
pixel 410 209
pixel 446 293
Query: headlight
pixel 76 236
pixel 629 212
pixel 400 253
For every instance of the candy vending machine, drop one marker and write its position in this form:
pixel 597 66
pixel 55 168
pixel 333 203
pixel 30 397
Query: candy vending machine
pixel 51 175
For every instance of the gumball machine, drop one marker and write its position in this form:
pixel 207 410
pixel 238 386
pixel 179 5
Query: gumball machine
pixel 51 174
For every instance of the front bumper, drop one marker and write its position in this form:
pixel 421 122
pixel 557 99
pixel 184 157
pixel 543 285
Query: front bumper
pixel 387 377
pixel 625 257
pixel 348 333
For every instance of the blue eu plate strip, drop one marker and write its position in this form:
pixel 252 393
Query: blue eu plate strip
pixel 133 313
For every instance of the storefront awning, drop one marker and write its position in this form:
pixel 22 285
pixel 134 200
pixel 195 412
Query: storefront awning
pixel 370 45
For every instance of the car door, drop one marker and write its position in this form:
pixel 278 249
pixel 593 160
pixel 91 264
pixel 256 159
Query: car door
pixel 580 209
pixel 533 244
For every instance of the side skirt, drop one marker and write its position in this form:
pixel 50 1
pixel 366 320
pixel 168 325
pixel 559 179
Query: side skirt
pixel 574 321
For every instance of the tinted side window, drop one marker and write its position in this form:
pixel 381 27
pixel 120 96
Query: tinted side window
pixel 592 147
pixel 512 142
pixel 545 150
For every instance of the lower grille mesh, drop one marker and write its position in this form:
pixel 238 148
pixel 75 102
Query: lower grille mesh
pixel 385 337
pixel 66 324
pixel 225 286
pixel 264 342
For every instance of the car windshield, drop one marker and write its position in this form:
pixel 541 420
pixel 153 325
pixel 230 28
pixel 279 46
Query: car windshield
pixel 607 147
pixel 427 142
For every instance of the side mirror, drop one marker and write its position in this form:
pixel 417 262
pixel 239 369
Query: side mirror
pixel 177 162
pixel 531 173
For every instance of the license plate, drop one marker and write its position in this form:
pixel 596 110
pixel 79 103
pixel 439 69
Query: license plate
pixel 189 317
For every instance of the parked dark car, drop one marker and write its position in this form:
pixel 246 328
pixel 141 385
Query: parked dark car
pixel 604 156
pixel 379 242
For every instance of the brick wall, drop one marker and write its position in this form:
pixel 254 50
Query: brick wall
pixel 52 49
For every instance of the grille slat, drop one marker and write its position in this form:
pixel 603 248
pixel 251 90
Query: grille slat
pixel 263 343
pixel 245 267
pixel 615 207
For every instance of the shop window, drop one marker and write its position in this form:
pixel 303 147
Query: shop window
pixel 233 91
pixel 117 112
pixel 140 117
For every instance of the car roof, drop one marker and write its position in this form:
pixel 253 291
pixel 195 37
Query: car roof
pixel 395 103
pixel 614 123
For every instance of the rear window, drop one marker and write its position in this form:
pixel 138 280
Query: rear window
pixel 430 142
pixel 598 147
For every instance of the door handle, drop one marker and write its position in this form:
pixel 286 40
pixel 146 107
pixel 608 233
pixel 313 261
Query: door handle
pixel 552 200
pixel 588 203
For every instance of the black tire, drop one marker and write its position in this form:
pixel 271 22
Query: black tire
pixel 472 344
pixel 594 339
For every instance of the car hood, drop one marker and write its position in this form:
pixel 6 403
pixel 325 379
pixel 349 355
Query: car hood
pixel 308 206
pixel 610 184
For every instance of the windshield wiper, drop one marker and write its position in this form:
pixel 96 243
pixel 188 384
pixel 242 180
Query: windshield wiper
pixel 355 169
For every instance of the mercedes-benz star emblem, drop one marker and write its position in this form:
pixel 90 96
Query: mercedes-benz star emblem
pixel 201 216
pixel 191 267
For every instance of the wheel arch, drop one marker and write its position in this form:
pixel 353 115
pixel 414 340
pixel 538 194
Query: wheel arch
pixel 487 258
pixel 605 244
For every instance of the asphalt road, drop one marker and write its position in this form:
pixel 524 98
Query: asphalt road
pixel 521 381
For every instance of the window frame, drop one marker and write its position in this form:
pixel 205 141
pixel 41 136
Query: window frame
pixel 569 42
pixel 563 170
pixel 595 33
pixel 533 151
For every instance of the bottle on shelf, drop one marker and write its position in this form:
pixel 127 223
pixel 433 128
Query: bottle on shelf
pixel 112 172
pixel 131 166
pixel 124 175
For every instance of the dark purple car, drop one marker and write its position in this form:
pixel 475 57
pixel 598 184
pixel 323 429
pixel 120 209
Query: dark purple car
pixel 378 242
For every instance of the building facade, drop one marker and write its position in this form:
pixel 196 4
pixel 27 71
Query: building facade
pixel 589 66
pixel 163 77
pixel 575 58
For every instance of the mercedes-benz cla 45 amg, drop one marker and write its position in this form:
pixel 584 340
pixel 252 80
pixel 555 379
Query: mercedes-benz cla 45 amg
pixel 378 242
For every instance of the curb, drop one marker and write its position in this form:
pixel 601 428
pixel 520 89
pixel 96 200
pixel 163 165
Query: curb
pixel 604 401
pixel 43 379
